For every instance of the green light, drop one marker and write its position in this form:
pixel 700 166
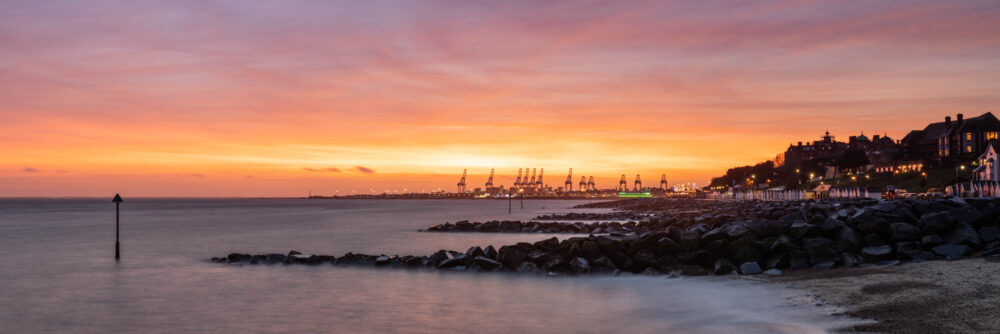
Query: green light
pixel 634 195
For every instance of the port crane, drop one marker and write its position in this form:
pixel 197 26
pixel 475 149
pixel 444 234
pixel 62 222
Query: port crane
pixel 638 183
pixel 489 181
pixel 539 183
pixel 622 184
pixel 569 180
pixel 663 182
pixel 531 183
pixel 461 182
pixel 583 183
pixel 590 183
pixel 517 183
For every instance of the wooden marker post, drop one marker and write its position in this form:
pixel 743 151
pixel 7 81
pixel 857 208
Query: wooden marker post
pixel 118 201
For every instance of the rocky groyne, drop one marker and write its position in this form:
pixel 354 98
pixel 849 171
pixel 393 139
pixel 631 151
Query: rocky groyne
pixel 783 235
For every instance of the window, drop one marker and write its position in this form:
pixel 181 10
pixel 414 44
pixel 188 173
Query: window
pixel 991 135
pixel 968 136
pixel 968 148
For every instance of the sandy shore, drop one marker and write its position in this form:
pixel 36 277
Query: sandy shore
pixel 930 297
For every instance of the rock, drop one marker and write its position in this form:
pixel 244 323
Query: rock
pixel 550 243
pixel 877 253
pixel 849 259
pixel 455 262
pixel 820 250
pixel 964 235
pixel 966 215
pixel 666 245
pixel 649 272
pixel 831 225
pixel 750 268
pixel 579 265
pixel 932 240
pixel 526 267
pixel 486 263
pixel 952 252
pixel 873 224
pixel 801 229
pixel 511 256
pixel 825 265
pixel 475 251
pixel 799 260
pixel 490 252
pixel 989 233
pixel 905 232
pixel 602 264
pixel 275 258
pixel 723 267
pixel 772 272
pixel 936 223
pixel 382 260
pixel 849 240
pixel 784 243
pixel 908 250
pixel 874 239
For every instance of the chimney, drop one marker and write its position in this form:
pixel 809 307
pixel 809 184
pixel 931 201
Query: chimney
pixel 960 119
pixel 947 121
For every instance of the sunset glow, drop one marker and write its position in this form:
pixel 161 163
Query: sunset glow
pixel 274 99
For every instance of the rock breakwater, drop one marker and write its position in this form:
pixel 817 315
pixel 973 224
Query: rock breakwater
pixel 765 237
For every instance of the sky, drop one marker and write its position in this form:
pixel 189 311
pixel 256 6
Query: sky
pixel 268 98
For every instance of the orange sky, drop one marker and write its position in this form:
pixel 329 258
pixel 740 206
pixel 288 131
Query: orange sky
pixel 276 99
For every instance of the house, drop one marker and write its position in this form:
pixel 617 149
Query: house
pixel 943 140
pixel 988 169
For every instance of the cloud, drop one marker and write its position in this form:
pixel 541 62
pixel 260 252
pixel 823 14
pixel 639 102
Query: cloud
pixel 365 170
pixel 30 170
pixel 330 169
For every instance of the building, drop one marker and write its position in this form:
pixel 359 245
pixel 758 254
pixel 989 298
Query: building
pixel 943 140
pixel 827 147
pixel 988 169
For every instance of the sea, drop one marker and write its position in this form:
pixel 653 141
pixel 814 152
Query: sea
pixel 58 274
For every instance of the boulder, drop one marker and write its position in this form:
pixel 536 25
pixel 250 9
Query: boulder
pixel 801 229
pixel 877 253
pixel 475 251
pixel 850 259
pixel 784 243
pixel 486 263
pixel 825 265
pixel 666 245
pixel 966 215
pixel 932 240
pixel 952 252
pixel 874 239
pixel 936 223
pixel 510 256
pixel 602 264
pixel 831 225
pixel 526 267
pixel 964 235
pixel 490 252
pixel 905 232
pixel 750 268
pixel 989 233
pixel 382 260
pixel 820 250
pixel 849 240
pixel 799 260
pixel 579 265
pixel 723 267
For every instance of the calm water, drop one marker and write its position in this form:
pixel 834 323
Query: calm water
pixel 57 274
